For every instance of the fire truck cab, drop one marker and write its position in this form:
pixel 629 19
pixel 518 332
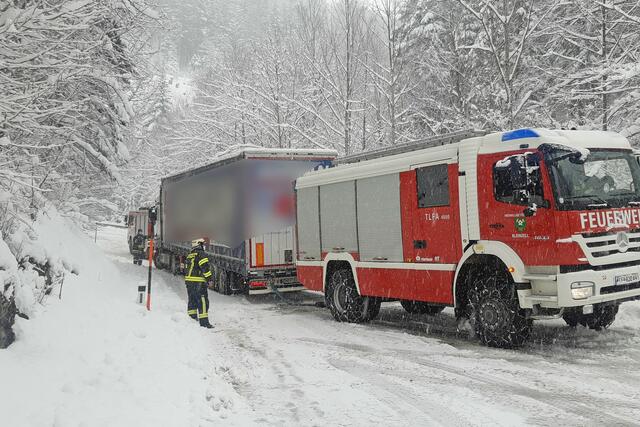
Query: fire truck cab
pixel 506 227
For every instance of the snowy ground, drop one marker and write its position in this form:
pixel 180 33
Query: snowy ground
pixel 95 358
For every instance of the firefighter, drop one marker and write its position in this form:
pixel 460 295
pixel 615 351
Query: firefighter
pixel 137 247
pixel 197 277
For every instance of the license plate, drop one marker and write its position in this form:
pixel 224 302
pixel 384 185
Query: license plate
pixel 624 279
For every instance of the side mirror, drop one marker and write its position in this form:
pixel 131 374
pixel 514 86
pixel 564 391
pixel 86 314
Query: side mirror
pixel 533 207
pixel 153 215
pixel 577 158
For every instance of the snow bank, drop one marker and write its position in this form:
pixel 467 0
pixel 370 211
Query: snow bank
pixel 45 252
pixel 95 357
pixel 628 316
pixel 8 268
pixel 8 277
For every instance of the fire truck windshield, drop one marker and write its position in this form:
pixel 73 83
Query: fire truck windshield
pixel 596 179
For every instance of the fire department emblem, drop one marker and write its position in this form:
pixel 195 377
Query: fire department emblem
pixel 521 224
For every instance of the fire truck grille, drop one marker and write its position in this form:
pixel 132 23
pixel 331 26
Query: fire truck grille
pixel 602 253
pixel 585 267
pixel 619 288
pixel 604 248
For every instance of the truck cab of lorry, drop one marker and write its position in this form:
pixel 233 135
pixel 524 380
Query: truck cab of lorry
pixel 136 220
pixel 507 228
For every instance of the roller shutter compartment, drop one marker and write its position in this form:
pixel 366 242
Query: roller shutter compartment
pixel 308 223
pixel 338 217
pixel 379 223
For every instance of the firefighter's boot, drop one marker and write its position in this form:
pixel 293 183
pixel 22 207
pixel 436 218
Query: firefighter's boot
pixel 206 324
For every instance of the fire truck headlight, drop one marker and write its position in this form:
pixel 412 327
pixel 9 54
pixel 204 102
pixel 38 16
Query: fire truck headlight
pixel 582 290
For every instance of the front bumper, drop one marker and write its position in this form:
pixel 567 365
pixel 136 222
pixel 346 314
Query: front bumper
pixel 554 291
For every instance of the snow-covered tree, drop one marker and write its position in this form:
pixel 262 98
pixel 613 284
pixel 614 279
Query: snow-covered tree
pixel 65 113
pixel 593 53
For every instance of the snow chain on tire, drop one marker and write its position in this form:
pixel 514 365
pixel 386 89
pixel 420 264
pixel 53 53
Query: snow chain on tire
pixel 345 302
pixel 602 317
pixel 496 317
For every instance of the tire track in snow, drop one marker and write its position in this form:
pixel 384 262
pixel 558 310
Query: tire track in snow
pixel 272 363
pixel 595 411
pixel 548 397
pixel 420 411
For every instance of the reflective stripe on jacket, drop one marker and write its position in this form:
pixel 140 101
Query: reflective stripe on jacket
pixel 198 269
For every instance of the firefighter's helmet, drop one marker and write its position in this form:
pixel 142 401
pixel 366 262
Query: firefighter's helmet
pixel 197 242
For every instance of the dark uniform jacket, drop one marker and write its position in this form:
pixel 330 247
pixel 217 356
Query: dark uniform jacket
pixel 198 269
pixel 138 242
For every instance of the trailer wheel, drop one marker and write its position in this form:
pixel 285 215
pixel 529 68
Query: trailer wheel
pixel 215 271
pixel 344 301
pixel 496 316
pixel 224 286
pixel 419 307
pixel 156 261
pixel 173 265
pixel 235 283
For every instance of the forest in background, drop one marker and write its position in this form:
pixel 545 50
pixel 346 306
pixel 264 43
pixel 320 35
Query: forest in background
pixel 100 99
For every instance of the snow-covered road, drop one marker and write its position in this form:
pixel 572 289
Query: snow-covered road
pixel 294 365
pixel 270 362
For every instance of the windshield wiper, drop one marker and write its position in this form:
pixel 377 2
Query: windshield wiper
pixel 630 196
pixel 601 203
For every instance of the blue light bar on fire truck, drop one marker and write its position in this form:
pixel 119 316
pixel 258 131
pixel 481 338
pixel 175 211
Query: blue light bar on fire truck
pixel 519 134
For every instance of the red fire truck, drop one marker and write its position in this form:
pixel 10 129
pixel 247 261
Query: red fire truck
pixel 506 227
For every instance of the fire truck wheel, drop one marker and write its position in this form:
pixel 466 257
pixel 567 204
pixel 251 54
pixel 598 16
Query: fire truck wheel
pixel 344 301
pixel 572 318
pixel 602 317
pixel 418 307
pixel 496 317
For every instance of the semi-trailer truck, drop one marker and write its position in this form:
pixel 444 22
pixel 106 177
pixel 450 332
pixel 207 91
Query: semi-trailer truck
pixel 242 204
